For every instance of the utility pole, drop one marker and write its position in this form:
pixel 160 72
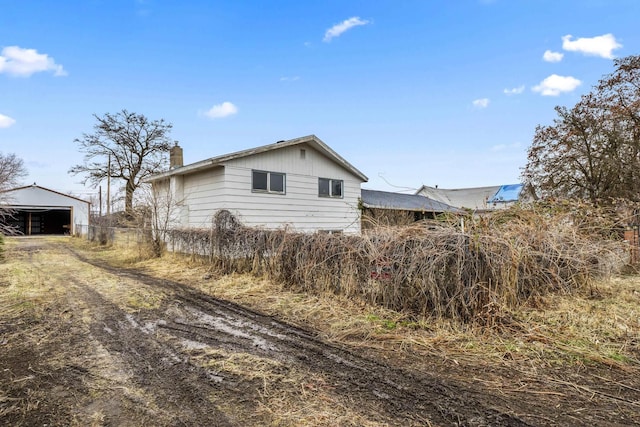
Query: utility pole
pixel 109 186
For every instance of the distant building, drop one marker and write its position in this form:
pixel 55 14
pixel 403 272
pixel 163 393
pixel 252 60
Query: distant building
pixel 39 210
pixel 478 199
pixel 387 208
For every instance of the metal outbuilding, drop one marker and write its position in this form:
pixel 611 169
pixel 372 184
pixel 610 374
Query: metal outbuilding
pixel 39 210
pixel 477 199
pixel 374 199
pixel 397 209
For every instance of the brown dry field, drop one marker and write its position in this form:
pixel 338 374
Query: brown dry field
pixel 99 336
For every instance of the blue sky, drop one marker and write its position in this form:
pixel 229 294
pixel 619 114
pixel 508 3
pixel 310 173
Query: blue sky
pixel 410 92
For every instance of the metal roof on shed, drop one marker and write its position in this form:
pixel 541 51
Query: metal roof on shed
pixel 507 193
pixel 408 202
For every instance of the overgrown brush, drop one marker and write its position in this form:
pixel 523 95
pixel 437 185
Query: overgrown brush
pixel 468 268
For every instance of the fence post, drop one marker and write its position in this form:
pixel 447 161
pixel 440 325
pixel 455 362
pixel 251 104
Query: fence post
pixel 632 237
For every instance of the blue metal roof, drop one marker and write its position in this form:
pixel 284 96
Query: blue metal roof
pixel 506 193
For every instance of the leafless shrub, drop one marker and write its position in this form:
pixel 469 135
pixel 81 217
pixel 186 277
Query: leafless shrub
pixel 195 242
pixel 438 269
pixel 372 218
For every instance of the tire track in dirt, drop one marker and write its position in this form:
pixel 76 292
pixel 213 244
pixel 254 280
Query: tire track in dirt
pixel 403 396
pixel 175 386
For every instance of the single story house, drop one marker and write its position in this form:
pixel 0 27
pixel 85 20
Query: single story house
pixel 388 208
pixel 477 199
pixel 299 183
pixel 38 210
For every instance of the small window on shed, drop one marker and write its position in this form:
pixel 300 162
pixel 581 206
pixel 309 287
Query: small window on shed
pixel 303 153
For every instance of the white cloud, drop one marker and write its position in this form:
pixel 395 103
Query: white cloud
pixel 550 56
pixel 602 46
pixel 289 78
pixel 514 91
pixel 6 121
pixel 481 103
pixel 219 111
pixel 340 28
pixel 21 62
pixel 554 85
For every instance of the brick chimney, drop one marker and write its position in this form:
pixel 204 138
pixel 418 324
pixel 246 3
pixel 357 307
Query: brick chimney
pixel 175 157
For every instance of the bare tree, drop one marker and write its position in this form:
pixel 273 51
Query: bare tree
pixel 619 95
pixel 592 151
pixel 125 146
pixel 161 212
pixel 12 171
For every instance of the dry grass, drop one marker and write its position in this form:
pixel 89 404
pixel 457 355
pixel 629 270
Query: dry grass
pixel 529 285
pixel 25 290
pixel 598 325
pixel 595 325
pixel 528 291
pixel 288 395
pixel 31 324
pixel 40 318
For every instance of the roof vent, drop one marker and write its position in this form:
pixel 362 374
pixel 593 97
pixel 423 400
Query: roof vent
pixel 278 142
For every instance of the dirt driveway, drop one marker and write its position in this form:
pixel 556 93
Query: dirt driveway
pixel 83 343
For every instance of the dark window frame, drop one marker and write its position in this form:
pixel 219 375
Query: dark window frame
pixel 330 182
pixel 269 189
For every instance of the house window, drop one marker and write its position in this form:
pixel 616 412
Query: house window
pixel 330 187
pixel 268 182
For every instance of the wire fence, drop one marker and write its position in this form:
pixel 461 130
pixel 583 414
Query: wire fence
pixel 121 236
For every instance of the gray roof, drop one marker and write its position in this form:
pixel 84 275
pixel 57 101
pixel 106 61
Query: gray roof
pixel 470 198
pixel 39 187
pixel 406 202
pixel 311 140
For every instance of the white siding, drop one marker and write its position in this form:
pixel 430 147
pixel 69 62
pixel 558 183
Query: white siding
pixel 300 207
pixel 229 187
pixel 203 196
pixel 169 200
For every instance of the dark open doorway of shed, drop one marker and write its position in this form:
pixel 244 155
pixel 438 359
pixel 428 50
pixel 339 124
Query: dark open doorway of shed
pixel 38 222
